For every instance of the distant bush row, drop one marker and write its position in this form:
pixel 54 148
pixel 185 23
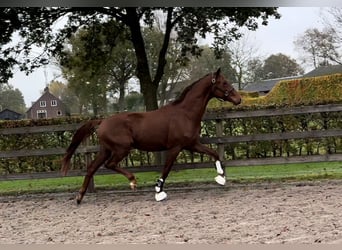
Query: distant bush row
pixel 296 92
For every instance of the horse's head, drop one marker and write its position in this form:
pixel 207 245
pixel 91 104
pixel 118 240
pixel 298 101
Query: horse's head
pixel 223 89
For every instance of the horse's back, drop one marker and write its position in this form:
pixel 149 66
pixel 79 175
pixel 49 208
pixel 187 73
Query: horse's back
pixel 143 130
pixel 150 130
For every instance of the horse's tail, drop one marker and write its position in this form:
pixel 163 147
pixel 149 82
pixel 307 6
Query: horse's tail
pixel 83 132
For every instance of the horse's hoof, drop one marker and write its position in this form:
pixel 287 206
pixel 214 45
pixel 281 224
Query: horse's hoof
pixel 160 196
pixel 78 199
pixel 220 180
pixel 133 185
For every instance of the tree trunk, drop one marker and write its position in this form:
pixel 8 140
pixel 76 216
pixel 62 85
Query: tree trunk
pixel 149 91
pixel 148 87
pixel 122 96
pixel 95 108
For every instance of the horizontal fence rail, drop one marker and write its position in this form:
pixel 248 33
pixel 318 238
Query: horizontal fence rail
pixel 219 140
pixel 39 129
pixel 204 140
pixel 275 136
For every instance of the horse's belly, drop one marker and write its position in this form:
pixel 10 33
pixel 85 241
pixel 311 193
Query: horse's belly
pixel 150 143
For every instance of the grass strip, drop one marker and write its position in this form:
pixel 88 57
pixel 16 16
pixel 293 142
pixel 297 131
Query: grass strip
pixel 282 172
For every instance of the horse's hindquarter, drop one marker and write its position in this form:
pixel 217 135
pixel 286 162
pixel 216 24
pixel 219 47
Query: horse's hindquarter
pixel 115 131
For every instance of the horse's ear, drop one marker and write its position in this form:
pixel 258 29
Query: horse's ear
pixel 218 72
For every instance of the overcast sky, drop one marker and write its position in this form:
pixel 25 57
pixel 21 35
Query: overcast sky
pixel 276 37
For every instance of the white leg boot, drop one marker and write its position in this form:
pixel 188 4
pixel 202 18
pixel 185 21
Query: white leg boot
pixel 219 168
pixel 160 195
pixel 220 179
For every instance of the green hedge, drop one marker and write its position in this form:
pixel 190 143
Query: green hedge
pixel 280 124
pixel 44 122
pixel 36 141
pixel 296 92
pixel 232 127
pixel 306 91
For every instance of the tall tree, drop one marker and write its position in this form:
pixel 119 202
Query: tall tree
pixel 121 68
pixel 208 62
pixel 35 27
pixel 99 54
pixel 242 52
pixel 333 22
pixel 320 47
pixel 254 70
pixel 83 67
pixel 280 65
pixel 57 88
pixel 12 99
pixel 174 70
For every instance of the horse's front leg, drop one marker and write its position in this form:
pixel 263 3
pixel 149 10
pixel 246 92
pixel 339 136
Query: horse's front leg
pixel 200 148
pixel 159 187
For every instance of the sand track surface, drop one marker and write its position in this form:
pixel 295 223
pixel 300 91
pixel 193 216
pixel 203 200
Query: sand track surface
pixel 266 213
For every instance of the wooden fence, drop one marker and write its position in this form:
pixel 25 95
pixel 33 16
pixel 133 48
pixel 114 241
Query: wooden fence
pixel 220 140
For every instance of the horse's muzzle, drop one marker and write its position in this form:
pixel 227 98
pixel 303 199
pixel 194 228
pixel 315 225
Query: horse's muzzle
pixel 237 102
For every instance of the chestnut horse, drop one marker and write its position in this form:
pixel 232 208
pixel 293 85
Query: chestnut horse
pixel 173 127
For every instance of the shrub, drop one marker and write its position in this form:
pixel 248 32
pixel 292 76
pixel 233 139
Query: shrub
pixel 296 92
pixel 305 91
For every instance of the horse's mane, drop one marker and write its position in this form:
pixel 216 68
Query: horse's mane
pixel 181 97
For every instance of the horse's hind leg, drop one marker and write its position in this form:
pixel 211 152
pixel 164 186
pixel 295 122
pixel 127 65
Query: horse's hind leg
pixel 100 159
pixel 113 165
pixel 129 175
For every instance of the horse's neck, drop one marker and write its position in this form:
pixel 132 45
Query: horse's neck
pixel 196 100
